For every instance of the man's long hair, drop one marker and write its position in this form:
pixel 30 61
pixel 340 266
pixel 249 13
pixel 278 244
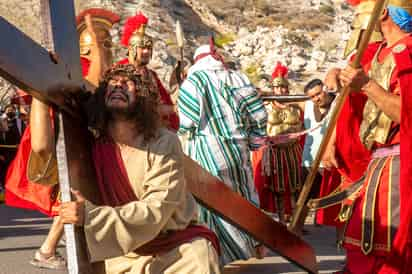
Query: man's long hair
pixel 144 112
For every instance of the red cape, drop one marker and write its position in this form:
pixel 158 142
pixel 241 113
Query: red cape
pixel 400 259
pixel 353 158
pixel 22 193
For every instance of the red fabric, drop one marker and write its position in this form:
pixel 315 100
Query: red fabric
pixel 85 63
pixel 358 263
pixel 268 187
pixel 331 180
pixel 353 158
pixel 354 2
pixel 353 233
pixel 280 71
pixel 172 120
pixel 213 52
pixel 98 13
pixel 21 98
pixel 116 190
pixel 111 174
pixel 400 258
pixel 22 193
pixel 167 242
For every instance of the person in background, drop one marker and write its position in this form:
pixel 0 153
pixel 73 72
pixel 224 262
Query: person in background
pixel 223 116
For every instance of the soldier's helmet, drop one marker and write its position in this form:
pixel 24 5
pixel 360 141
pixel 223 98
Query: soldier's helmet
pixel 279 76
pixel 103 20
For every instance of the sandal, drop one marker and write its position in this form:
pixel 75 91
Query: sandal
pixel 49 261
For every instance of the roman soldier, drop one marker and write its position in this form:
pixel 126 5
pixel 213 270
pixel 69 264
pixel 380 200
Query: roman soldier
pixel 140 49
pixel 352 157
pixel 277 167
pixel 378 219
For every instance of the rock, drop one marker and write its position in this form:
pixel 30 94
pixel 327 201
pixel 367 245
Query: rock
pixel 303 52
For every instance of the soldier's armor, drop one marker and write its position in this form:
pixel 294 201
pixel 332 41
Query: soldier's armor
pixel 284 120
pixel 376 125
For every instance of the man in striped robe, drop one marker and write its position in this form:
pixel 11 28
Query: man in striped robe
pixel 222 116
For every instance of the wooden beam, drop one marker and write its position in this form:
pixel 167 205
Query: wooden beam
pixel 65 37
pixel 29 66
pixel 216 196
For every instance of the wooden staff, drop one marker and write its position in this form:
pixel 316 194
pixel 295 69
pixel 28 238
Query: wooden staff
pixel 301 208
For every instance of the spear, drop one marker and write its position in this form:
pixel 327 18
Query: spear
pixel 301 210
pixel 176 76
pixel 285 98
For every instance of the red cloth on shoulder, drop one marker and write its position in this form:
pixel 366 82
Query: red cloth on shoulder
pixel 22 193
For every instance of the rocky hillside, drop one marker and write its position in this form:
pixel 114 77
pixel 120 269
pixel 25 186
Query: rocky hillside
pixel 308 36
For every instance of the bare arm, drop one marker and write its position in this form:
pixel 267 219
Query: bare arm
pixel 389 103
pixel 329 157
pixel 42 135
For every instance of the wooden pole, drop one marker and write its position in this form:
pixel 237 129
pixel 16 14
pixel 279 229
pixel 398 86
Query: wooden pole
pixel 301 209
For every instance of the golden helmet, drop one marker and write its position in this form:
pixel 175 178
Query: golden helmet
pixel 405 4
pixel 279 76
pixel 134 32
pixel 360 23
pixel 103 21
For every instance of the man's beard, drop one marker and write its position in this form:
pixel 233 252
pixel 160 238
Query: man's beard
pixel 120 111
pixel 124 112
pixel 141 62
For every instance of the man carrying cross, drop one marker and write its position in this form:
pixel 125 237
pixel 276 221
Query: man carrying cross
pixel 148 221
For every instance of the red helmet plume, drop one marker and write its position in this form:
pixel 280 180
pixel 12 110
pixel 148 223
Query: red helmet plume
pixel 280 71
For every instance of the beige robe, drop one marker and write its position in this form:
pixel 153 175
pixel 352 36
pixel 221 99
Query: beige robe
pixel 164 205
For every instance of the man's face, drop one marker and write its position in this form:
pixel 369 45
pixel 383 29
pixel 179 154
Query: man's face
pixel 281 90
pixel 120 94
pixel 143 56
pixel 318 96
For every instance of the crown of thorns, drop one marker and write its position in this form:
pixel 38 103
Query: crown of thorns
pixel 144 84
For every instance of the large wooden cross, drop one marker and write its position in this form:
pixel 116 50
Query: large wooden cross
pixel 52 77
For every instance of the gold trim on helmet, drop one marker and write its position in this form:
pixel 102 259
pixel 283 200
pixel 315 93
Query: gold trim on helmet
pixel 102 29
pixel 405 4
pixel 139 39
pixel 280 82
pixel 360 23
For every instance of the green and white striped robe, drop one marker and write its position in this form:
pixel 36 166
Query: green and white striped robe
pixel 222 114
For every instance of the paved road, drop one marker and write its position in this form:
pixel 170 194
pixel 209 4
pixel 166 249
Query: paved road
pixel 21 233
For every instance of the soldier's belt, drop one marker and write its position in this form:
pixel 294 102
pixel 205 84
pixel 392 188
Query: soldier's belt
pixel 387 151
pixel 336 197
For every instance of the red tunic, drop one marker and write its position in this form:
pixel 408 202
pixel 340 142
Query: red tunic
pixel 352 156
pixel 400 258
pixel 358 262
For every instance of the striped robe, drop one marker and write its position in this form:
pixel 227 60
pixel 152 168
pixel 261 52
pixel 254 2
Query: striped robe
pixel 221 114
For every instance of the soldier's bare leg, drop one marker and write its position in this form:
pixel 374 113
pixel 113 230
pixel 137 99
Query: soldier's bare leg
pixel 47 256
